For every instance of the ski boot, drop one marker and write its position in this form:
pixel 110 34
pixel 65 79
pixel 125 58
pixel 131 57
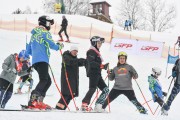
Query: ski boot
pixel 68 41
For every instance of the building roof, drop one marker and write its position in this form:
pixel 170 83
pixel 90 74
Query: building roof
pixel 99 1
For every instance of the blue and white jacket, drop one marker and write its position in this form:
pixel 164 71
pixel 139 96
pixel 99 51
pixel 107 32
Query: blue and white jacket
pixel 40 43
pixel 155 87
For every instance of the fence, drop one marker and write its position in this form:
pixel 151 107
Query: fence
pixel 82 27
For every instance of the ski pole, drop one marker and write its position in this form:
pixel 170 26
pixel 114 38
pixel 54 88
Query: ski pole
pixel 97 94
pixel 58 88
pixel 108 94
pixel 4 93
pixel 169 76
pixel 143 96
pixel 67 80
pixel 147 102
pixel 166 96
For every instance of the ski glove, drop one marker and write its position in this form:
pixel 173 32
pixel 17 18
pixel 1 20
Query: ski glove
pixel 164 93
pixel 61 45
pixel 109 71
pixel 104 66
pixel 174 74
pixel 155 95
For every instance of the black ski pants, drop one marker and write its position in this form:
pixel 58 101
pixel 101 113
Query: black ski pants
pixel 65 32
pixel 95 80
pixel 44 78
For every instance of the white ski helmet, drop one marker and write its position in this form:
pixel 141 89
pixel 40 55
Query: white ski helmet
pixel 156 71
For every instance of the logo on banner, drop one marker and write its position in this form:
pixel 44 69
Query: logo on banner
pixel 149 48
pixel 122 45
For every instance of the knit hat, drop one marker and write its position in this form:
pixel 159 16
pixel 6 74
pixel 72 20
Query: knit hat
pixel 73 48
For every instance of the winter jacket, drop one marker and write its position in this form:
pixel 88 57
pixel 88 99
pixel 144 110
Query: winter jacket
pixel 41 42
pixel 7 66
pixel 64 23
pixel 123 74
pixel 155 87
pixel 93 63
pixel 72 68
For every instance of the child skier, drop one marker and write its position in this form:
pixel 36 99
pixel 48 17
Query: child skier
pixel 93 69
pixel 12 67
pixel 155 87
pixel 28 77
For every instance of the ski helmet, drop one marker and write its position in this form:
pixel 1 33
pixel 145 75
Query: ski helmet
pixel 46 21
pixel 156 71
pixel 22 54
pixel 122 53
pixel 95 39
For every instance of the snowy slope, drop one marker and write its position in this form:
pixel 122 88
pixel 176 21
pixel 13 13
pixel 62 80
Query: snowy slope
pixel 121 108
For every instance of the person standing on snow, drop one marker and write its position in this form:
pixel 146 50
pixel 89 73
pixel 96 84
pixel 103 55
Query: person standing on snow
pixel 64 25
pixel 93 69
pixel 178 42
pixel 155 87
pixel 175 89
pixel 28 77
pixel 12 67
pixel 39 47
pixel 123 74
pixel 72 64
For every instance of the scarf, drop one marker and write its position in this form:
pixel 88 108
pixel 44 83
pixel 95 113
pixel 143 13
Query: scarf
pixel 97 52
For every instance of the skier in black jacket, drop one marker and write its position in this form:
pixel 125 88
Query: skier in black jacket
pixel 72 64
pixel 64 25
pixel 93 68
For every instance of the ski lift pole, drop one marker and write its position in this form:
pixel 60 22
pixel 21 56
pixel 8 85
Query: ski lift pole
pixel 67 80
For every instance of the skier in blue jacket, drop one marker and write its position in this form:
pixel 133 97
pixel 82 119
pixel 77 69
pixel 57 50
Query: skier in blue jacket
pixel 39 47
pixel 155 86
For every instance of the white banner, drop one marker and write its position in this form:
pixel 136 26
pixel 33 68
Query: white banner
pixel 144 48
pixel 125 45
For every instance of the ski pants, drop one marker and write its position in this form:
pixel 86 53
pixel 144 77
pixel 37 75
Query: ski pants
pixel 174 92
pixel 44 79
pixel 95 81
pixel 24 79
pixel 6 90
pixel 65 32
pixel 67 98
pixel 114 93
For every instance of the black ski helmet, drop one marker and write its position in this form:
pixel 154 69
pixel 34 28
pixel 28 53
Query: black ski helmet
pixel 95 39
pixel 46 21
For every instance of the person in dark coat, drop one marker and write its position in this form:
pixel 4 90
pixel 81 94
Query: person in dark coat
pixel 93 69
pixel 64 25
pixel 72 64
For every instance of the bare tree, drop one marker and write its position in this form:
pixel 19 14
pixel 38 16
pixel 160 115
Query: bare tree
pixel 159 16
pixel 18 11
pixel 79 7
pixel 130 9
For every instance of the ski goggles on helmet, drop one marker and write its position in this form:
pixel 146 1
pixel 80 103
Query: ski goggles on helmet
pixel 49 21
pixel 99 39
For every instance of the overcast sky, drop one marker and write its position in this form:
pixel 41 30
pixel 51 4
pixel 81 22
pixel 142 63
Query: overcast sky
pixel 8 6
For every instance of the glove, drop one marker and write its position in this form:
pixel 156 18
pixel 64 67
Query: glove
pixel 30 69
pixel 14 70
pixel 61 45
pixel 155 95
pixel 174 74
pixel 164 93
pixel 105 66
pixel 109 71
